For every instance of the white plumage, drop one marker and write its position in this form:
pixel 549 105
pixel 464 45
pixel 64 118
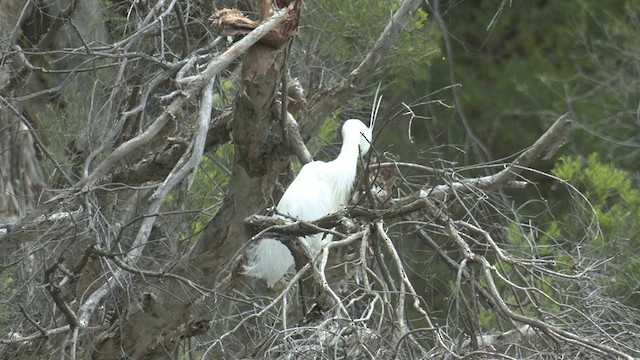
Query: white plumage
pixel 321 188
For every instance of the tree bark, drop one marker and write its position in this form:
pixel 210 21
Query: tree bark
pixel 260 157
pixel 21 178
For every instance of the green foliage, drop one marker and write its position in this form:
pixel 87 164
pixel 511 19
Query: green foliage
pixel 539 58
pixel 211 180
pixel 349 29
pixel 616 202
pixel 349 26
pixel 57 128
pixel 222 98
pixel 328 130
pixel 606 97
pixel 116 19
pixel 410 60
pixel 329 134
pixel 340 33
pixel 608 189
pixel 7 290
pixel 502 70
pixel 209 185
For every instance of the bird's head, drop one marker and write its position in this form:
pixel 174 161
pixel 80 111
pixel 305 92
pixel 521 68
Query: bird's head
pixel 355 129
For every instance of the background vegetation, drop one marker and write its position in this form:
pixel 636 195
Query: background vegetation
pixel 129 262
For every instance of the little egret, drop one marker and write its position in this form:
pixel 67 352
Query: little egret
pixel 321 188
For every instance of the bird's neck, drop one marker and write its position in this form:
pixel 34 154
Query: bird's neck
pixel 345 168
pixel 350 151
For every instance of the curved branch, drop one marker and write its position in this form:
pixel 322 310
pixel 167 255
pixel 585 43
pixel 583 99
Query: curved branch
pixel 547 144
pixel 331 99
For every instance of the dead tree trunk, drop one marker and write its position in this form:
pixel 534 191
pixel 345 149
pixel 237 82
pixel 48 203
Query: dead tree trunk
pixel 261 155
pixel 21 178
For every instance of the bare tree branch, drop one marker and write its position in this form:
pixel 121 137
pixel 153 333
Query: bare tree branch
pixel 194 85
pixel 547 144
pixel 143 257
pixel 326 102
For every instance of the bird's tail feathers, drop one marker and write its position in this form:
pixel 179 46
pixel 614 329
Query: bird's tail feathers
pixel 269 259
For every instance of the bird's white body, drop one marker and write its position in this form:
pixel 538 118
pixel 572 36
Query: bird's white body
pixel 321 188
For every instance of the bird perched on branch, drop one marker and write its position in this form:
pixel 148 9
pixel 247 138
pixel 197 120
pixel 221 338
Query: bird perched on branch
pixel 321 188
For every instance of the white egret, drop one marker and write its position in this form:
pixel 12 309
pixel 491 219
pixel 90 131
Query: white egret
pixel 321 188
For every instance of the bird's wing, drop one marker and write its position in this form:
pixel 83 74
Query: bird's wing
pixel 310 196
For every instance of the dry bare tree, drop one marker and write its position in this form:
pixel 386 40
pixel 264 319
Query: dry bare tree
pixel 111 254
